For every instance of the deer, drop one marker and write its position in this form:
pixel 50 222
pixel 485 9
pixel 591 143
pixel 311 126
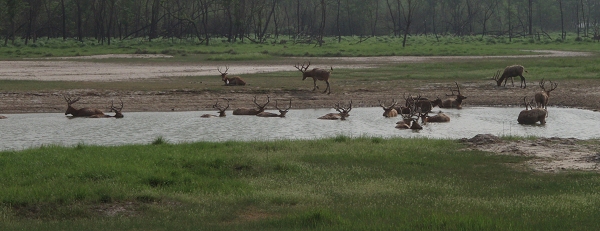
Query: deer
pixel 112 108
pixel 252 111
pixel 343 112
pixel 541 98
pixel 424 104
pixel 218 107
pixel 3 117
pixel 411 120
pixel 439 118
pixel 510 72
pixel 316 74
pixel 282 111
pixel 82 112
pixel 231 81
pixel 389 111
pixel 453 102
pixel 533 115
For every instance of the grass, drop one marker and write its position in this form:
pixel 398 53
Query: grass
pixel 339 183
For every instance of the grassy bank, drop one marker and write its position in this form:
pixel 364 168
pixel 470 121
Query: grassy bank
pixel 339 183
pixel 220 50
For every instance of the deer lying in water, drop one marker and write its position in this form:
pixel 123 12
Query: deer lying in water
pixel 343 112
pixel 439 118
pixel 282 111
pixel 411 120
pixel 2 117
pixel 389 111
pixel 112 108
pixel 456 102
pixel 231 81
pixel 218 107
pixel 541 98
pixel 316 74
pixel 252 111
pixel 511 72
pixel 532 116
pixel 82 112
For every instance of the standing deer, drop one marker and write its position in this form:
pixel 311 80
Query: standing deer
pixel 316 74
pixel 541 98
pixel 532 116
pixel 252 111
pixel 453 103
pixel 231 81
pixel 389 111
pixel 343 112
pixel 281 114
pixel 510 72
pixel 425 105
pixel 218 107
pixel 82 112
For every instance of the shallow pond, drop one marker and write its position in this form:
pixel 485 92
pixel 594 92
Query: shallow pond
pixel 20 131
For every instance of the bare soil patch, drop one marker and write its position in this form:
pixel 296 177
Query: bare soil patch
pixel 549 154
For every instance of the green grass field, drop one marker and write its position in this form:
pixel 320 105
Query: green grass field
pixel 339 183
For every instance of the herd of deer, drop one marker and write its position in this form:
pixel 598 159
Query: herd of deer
pixel 415 108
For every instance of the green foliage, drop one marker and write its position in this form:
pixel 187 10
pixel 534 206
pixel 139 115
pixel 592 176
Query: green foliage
pixel 339 183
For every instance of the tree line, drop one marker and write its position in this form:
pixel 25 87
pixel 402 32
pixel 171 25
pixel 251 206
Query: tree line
pixel 301 20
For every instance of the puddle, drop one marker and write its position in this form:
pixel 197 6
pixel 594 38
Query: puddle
pixel 20 131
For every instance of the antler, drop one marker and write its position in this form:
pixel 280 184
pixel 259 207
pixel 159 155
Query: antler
pixel 282 110
pixel 496 76
pixel 115 109
pixel 302 68
pixel 226 69
pixel 452 90
pixel 341 109
pixel 542 83
pixel 264 105
pixel 69 101
pixel 219 107
pixel 391 106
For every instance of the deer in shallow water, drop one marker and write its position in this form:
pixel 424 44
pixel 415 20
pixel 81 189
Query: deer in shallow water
pixel 533 115
pixel 112 108
pixel 252 111
pixel 343 112
pixel 82 112
pixel 389 111
pixel 453 102
pixel 541 98
pixel 316 74
pixel 231 81
pixel 510 72
pixel 282 111
pixel 218 107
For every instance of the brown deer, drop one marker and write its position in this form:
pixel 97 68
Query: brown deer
pixel 343 112
pixel 389 111
pixel 2 117
pixel 282 111
pixel 511 72
pixel 425 105
pixel 252 111
pixel 453 103
pixel 82 112
pixel 231 81
pixel 411 120
pixel 439 118
pixel 532 116
pixel 316 74
pixel 112 108
pixel 218 107
pixel 541 98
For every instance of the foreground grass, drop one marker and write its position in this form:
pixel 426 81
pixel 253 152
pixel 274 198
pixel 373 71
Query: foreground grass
pixel 339 183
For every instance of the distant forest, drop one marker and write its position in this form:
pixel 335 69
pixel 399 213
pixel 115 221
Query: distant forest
pixel 310 20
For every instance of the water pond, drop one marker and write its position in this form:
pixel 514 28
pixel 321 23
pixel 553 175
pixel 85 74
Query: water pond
pixel 21 131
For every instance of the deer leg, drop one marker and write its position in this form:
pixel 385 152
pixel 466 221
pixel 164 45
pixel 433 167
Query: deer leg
pixel 326 89
pixel 523 81
pixel 315 84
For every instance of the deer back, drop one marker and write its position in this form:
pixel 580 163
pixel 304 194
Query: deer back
pixel 83 112
pixel 319 74
pixel 532 116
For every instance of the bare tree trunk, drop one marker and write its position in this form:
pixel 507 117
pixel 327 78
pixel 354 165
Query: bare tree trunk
pixel 530 16
pixel 323 17
pixel 562 21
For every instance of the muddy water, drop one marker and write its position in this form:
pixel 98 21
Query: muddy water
pixel 20 131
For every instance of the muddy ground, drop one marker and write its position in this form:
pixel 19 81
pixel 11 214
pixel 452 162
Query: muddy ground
pixel 552 154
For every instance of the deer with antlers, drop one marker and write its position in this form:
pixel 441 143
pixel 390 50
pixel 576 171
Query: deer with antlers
pixel 510 72
pixel 453 102
pixel 411 120
pixel 533 115
pixel 316 74
pixel 541 98
pixel 82 112
pixel 389 111
pixel 282 111
pixel 425 105
pixel 439 118
pixel 252 111
pixel 231 81
pixel 343 112
pixel 112 108
pixel 218 107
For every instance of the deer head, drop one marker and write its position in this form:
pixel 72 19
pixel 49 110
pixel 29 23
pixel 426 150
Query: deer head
pixel 116 110
pixel 552 86
pixel 221 108
pixel 459 96
pixel 261 108
pixel 70 102
pixel 389 111
pixel 303 69
pixel 283 111
pixel 344 111
pixel 224 74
